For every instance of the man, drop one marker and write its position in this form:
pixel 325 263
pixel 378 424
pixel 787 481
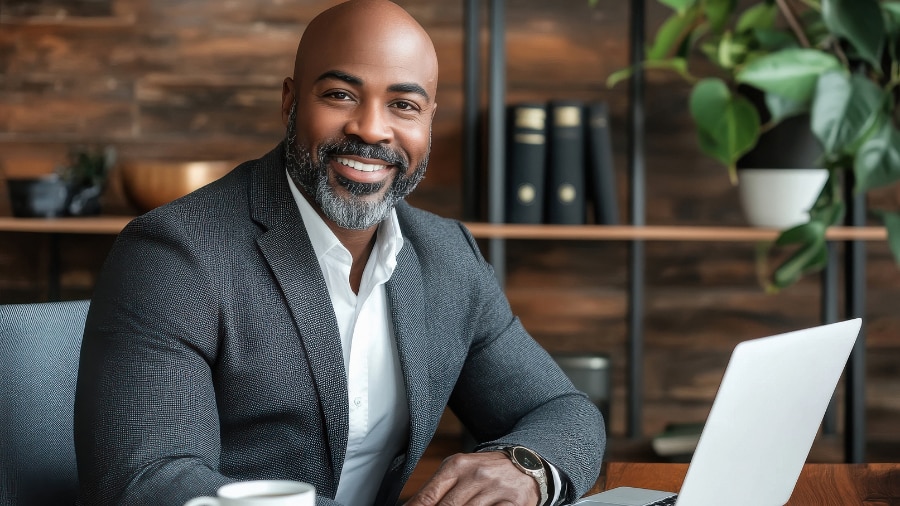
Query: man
pixel 298 320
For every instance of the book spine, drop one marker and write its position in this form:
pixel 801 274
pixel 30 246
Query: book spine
pixel 565 170
pixel 601 171
pixel 525 162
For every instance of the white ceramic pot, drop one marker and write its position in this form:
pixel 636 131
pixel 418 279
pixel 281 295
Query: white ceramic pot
pixel 779 198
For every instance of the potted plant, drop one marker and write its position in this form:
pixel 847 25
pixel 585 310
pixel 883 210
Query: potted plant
pixel 73 189
pixel 85 176
pixel 833 62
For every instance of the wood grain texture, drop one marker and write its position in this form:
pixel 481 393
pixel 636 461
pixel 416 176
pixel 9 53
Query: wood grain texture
pixel 819 484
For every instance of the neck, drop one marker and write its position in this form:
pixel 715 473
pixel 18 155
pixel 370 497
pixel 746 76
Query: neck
pixel 360 244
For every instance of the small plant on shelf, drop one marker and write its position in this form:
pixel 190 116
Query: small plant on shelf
pixel 85 175
pixel 835 60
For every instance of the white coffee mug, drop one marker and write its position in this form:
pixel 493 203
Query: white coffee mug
pixel 260 493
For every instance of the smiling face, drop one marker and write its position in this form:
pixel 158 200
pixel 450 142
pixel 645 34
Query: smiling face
pixel 359 109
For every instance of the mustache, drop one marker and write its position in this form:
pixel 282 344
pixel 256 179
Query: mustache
pixel 349 146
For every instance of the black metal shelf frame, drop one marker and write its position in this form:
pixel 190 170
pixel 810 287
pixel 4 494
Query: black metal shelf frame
pixel 854 269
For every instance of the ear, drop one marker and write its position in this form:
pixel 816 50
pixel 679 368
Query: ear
pixel 287 99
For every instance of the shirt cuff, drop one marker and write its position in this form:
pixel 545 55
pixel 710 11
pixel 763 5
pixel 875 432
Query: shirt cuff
pixel 557 484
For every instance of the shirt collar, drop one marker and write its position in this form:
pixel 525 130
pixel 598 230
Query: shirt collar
pixel 388 241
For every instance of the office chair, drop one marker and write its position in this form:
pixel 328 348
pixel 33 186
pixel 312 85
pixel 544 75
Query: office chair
pixel 39 350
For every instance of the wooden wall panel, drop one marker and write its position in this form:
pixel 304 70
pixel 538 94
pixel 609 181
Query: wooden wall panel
pixel 201 79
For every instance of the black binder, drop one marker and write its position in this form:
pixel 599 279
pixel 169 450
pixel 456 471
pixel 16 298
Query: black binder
pixel 525 161
pixel 565 169
pixel 601 173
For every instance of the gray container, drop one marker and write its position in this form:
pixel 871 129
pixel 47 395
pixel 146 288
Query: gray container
pixel 590 373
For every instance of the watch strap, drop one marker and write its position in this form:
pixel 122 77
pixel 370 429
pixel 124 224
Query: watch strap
pixel 539 475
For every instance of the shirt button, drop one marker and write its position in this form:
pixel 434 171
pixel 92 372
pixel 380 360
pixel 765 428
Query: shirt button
pixel 357 401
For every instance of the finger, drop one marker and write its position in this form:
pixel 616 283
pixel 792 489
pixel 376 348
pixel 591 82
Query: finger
pixel 477 480
pixel 479 496
pixel 435 488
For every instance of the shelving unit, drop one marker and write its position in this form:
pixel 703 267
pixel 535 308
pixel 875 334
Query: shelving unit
pixel 853 236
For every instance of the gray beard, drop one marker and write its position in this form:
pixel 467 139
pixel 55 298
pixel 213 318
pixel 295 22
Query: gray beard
pixel 353 211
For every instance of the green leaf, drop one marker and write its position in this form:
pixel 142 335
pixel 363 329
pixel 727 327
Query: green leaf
pixel 781 108
pixel 808 259
pixel 892 224
pixel 815 29
pixel 829 205
pixel 892 9
pixel 727 51
pixel 672 33
pixel 679 6
pixel 803 233
pixel 791 73
pixel 877 162
pixel 677 65
pixel 812 255
pixel 718 12
pixel 770 40
pixel 727 124
pixel 844 110
pixel 618 76
pixel 851 20
pixel 892 26
pixel 757 17
pixel 708 98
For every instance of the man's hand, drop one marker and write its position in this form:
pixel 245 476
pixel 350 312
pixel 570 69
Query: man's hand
pixel 478 479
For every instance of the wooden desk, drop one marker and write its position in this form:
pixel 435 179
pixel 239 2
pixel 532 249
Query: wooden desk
pixel 819 484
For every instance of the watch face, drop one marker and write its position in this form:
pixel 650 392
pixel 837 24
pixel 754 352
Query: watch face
pixel 527 458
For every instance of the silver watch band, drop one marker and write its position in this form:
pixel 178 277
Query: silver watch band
pixel 535 470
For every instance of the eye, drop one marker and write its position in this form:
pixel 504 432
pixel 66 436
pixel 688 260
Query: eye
pixel 338 95
pixel 403 105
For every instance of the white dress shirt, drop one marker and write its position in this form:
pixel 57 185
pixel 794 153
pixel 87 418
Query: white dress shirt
pixel 379 414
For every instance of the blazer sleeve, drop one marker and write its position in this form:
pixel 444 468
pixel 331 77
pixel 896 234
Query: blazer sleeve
pixel 511 391
pixel 146 421
pixel 145 410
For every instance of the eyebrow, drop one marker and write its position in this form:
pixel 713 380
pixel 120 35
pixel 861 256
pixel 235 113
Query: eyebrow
pixel 357 81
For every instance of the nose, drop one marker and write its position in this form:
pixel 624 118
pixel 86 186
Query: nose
pixel 369 123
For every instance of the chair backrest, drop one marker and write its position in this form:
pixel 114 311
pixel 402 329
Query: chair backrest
pixel 39 350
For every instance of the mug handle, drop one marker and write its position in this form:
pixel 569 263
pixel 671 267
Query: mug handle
pixel 203 501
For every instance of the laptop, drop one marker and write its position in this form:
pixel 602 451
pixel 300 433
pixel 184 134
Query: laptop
pixel 762 424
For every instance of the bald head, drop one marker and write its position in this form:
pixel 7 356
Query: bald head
pixel 358 112
pixel 374 32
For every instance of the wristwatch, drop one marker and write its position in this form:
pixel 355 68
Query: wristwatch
pixel 531 464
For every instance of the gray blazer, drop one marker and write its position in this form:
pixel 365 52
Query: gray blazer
pixel 211 353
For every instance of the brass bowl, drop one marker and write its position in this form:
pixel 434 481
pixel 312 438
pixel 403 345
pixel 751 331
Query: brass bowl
pixel 150 184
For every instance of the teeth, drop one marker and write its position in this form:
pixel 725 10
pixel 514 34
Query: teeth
pixel 364 167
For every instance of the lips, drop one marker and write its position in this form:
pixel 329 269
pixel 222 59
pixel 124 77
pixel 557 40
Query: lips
pixel 360 166
pixel 370 172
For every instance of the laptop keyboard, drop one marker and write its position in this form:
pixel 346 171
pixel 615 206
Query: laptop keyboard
pixel 668 501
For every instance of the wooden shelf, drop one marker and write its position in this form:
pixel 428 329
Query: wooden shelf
pixel 75 225
pixel 656 233
pixel 99 22
pixel 115 224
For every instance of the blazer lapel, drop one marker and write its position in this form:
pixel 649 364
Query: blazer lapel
pixel 407 300
pixel 286 247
